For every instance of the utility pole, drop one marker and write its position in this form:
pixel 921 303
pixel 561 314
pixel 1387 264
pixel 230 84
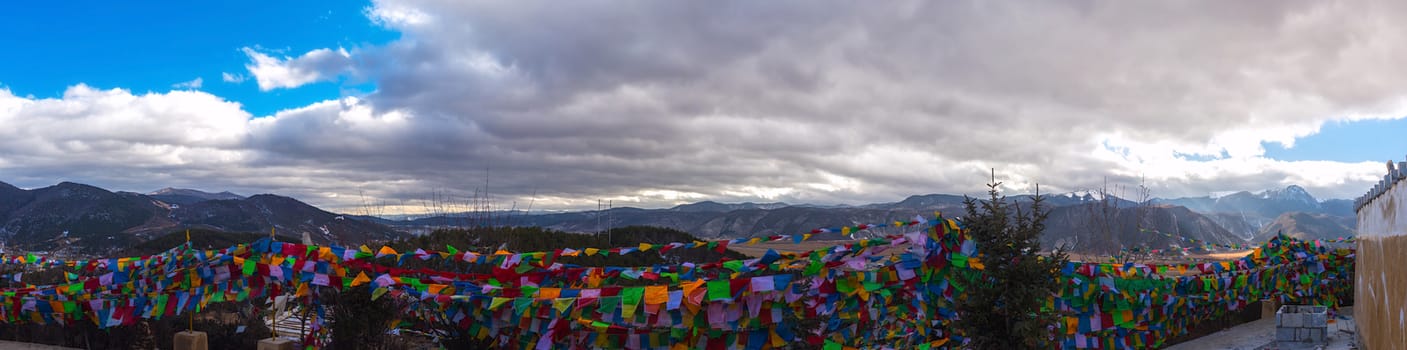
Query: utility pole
pixel 610 204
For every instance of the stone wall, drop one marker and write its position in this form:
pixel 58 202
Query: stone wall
pixel 1380 278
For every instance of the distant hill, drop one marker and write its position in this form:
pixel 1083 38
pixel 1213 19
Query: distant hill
pixel 92 218
pixel 1308 226
pixel 95 217
pixel 182 196
pixel 1076 228
pixel 1249 214
pixel 735 223
pixel 76 213
pixel 1240 220
pixel 263 212
pixel 711 206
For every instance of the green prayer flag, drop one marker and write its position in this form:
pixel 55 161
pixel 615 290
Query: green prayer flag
pixel 630 300
pixel 521 304
pixel 959 260
pixel 451 249
pixel 375 294
pixel 608 305
pixel 249 267
pixel 830 345
pixel 160 307
pixel 718 290
pixel 415 283
pixel 844 286
pixel 735 265
pixel 871 286
pixel 632 295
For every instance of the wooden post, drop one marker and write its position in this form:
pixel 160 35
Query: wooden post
pixel 273 316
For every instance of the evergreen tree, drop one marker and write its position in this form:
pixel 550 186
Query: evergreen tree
pixel 1004 305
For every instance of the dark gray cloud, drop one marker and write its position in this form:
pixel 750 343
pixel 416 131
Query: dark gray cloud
pixel 653 103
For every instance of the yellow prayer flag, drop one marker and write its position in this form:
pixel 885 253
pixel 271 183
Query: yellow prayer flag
pixel 656 295
pixel 549 293
pixel 976 263
pixel 385 250
pixel 361 279
pixel 435 288
pixel 562 304
pixel 497 303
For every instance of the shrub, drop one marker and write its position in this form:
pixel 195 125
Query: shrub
pixel 1004 305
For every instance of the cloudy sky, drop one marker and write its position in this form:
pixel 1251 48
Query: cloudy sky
pixel 656 103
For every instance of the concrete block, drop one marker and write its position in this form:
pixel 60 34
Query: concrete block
pixel 1284 334
pixel 1316 320
pixel 277 344
pixel 1268 308
pixel 1290 320
pixel 190 340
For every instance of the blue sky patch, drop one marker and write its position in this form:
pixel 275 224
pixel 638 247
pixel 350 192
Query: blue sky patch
pixel 151 46
pixel 1364 140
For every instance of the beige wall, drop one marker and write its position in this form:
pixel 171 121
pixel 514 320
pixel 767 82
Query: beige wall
pixel 1380 277
pixel 1380 291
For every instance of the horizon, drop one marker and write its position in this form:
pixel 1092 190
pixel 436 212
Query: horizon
pixel 426 211
pixel 658 104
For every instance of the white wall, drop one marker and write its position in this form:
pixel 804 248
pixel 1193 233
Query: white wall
pixel 1385 215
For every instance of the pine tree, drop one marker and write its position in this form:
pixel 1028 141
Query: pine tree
pixel 1005 305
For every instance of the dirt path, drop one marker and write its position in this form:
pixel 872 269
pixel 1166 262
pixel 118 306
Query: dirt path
pixel 30 346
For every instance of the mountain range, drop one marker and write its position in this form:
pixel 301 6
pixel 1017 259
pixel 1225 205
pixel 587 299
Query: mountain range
pixel 72 214
pixel 90 218
pixel 1084 221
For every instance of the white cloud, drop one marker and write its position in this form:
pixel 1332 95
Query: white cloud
pixel 233 77
pixel 189 85
pixel 116 137
pixel 660 102
pixel 287 72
